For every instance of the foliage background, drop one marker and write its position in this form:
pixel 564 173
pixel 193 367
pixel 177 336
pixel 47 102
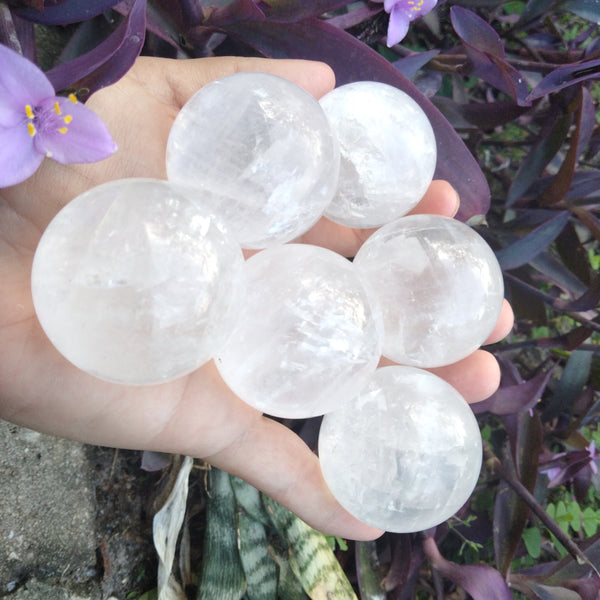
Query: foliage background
pixel 511 88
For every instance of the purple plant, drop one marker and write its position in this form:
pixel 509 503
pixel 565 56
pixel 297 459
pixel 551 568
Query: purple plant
pixel 35 123
pixel 511 90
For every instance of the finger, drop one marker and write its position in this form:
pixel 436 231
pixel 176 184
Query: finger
pixel 275 460
pixel 183 78
pixel 441 199
pixel 504 324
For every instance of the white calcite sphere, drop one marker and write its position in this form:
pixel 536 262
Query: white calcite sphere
pixel 307 337
pixel 261 150
pixel 134 283
pixel 388 153
pixel 439 286
pixel 404 454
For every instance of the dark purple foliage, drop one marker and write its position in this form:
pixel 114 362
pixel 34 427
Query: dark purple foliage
pixel 513 99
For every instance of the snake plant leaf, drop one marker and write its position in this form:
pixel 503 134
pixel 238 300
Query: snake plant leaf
pixel 222 574
pixel 259 566
pixel 311 558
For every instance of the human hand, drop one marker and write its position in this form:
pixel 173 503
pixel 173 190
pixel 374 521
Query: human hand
pixel 196 415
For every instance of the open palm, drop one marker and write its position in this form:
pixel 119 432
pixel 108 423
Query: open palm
pixel 196 415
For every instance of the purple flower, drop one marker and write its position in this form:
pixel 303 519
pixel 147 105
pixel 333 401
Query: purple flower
pixel 402 12
pixel 35 122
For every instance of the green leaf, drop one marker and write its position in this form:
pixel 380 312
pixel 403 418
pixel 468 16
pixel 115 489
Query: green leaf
pixel 532 539
pixel 311 558
pixel 259 567
pixel 590 520
pixel 222 574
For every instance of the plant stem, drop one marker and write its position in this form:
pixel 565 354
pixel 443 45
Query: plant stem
pixel 493 464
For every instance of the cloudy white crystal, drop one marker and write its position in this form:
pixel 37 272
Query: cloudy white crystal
pixel 307 337
pixel 439 286
pixel 404 454
pixel 388 153
pixel 134 283
pixel 260 147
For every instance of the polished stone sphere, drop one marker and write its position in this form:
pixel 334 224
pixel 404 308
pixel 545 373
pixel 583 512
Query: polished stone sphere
pixel 134 283
pixel 260 149
pixel 439 286
pixel 307 337
pixel 388 153
pixel 404 454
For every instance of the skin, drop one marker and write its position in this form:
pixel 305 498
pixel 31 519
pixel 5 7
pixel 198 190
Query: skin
pixel 196 415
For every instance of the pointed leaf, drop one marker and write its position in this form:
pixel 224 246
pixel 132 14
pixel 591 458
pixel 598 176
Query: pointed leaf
pixel 222 573
pixel 515 398
pixel 525 249
pixel 286 11
pixel 480 581
pixel 485 51
pixel 586 9
pixel 109 61
pixel 409 65
pixel 564 76
pixel 355 61
pixel 572 382
pixel 535 162
pixel 67 12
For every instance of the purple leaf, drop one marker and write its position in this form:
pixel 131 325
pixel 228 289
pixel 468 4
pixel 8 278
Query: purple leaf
pixel 573 380
pixel 525 249
pixel 354 61
pixel 587 301
pixel 485 51
pixel 109 61
pixel 511 513
pixel 287 11
pixel 480 581
pixel 155 461
pixel 586 9
pixel 518 397
pixel 550 142
pixel 569 569
pixel 475 32
pixel 67 12
pixel 409 65
pixel 239 10
pixel 564 76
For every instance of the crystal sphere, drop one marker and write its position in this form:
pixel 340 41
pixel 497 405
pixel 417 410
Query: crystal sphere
pixel 261 149
pixel 307 337
pixel 388 153
pixel 439 286
pixel 404 454
pixel 133 283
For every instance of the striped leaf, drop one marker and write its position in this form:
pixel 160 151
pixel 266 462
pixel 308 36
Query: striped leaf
pixel 259 567
pixel 311 559
pixel 248 497
pixel 222 574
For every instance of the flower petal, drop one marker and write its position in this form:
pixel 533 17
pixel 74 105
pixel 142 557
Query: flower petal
pixel 21 83
pixel 69 132
pixel 18 156
pixel 398 26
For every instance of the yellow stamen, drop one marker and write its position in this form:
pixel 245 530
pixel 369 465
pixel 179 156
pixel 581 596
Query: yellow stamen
pixel 73 98
pixel 57 109
pixel 63 130
pixel 29 111
pixel 31 129
pixel 68 119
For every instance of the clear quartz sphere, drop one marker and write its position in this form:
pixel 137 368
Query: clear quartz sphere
pixel 261 150
pixel 439 286
pixel 388 153
pixel 404 454
pixel 307 337
pixel 135 284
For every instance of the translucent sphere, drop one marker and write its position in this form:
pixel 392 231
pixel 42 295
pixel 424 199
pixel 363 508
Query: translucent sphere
pixel 307 337
pixel 261 149
pixel 439 286
pixel 388 153
pixel 134 284
pixel 404 454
